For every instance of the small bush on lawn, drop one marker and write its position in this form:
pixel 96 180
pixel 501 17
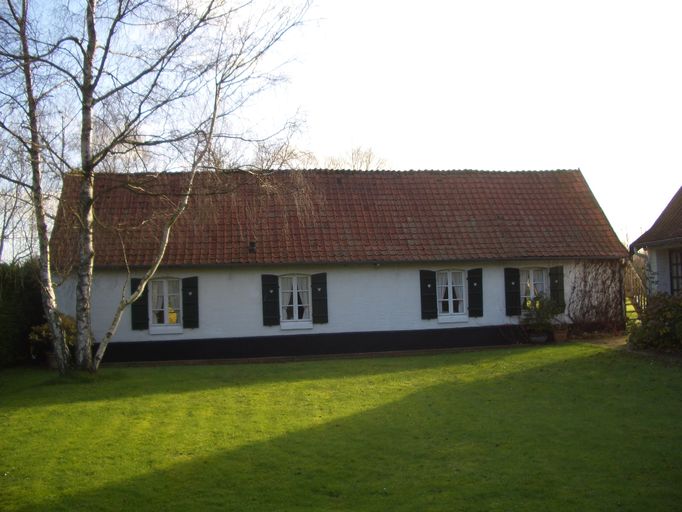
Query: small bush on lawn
pixel 40 338
pixel 660 325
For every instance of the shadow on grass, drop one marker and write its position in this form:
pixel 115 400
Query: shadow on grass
pixel 20 387
pixel 588 433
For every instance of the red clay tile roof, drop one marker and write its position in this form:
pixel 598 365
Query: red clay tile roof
pixel 326 216
pixel 668 227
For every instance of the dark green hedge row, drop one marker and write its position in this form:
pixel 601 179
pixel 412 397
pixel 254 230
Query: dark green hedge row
pixel 20 309
pixel 660 324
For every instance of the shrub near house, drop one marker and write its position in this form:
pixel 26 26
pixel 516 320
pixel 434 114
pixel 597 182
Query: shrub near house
pixel 660 326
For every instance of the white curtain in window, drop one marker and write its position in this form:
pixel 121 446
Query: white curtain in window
pixel 286 298
pixel 303 296
pixel 442 291
pixel 539 282
pixel 526 285
pixel 457 291
pixel 158 316
pixel 157 295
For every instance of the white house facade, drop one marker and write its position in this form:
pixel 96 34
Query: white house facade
pixel 358 298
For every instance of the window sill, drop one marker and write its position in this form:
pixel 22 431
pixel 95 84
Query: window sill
pixel 452 319
pixel 289 325
pixel 165 329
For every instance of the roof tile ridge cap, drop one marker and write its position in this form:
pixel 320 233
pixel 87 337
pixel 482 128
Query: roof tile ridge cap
pixel 321 170
pixel 538 171
pixel 495 171
pixel 347 172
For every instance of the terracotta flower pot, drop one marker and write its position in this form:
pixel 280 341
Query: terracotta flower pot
pixel 560 333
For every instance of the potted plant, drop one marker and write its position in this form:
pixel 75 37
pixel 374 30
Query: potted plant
pixel 540 321
pixel 559 330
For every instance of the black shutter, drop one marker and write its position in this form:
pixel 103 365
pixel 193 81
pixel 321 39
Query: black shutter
pixel 556 286
pixel 427 282
pixel 139 310
pixel 512 291
pixel 190 302
pixel 475 280
pixel 319 290
pixel 270 284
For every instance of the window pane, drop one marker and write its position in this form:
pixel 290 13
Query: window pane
pixel 302 283
pixel 286 298
pixel 287 305
pixel 173 308
pixel 157 294
pixel 174 301
pixel 158 303
pixel 524 277
pixel 539 282
pixel 458 298
pixel 457 278
pixel 442 292
pixel 173 286
pixel 173 316
pixel 303 298
pixel 303 305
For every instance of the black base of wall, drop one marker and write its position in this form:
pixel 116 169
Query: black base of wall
pixel 312 344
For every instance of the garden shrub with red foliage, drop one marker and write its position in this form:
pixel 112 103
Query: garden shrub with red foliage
pixel 660 324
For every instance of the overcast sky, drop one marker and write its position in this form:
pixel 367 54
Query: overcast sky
pixel 500 85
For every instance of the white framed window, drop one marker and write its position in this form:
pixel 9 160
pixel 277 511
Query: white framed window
pixel 294 301
pixel 534 283
pixel 451 295
pixel 165 306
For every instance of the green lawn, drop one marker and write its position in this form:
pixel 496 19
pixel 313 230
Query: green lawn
pixel 572 427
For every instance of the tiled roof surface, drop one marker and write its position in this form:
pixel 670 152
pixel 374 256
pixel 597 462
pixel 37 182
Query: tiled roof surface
pixel 668 226
pixel 326 216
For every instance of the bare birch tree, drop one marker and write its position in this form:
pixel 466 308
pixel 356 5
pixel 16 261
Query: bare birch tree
pixel 161 80
pixel 358 159
pixel 17 235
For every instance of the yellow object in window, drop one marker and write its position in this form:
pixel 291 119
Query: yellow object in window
pixel 172 316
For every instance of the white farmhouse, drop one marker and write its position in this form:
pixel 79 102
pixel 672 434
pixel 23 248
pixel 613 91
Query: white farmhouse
pixel 313 262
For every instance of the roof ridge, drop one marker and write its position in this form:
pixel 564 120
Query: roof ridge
pixel 351 171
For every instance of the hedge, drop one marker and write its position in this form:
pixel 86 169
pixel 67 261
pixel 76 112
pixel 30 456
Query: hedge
pixel 20 309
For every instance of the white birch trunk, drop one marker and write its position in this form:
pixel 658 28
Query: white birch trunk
pixel 86 250
pixel 37 197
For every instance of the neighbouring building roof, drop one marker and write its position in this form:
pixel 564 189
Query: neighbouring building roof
pixel 667 229
pixel 324 216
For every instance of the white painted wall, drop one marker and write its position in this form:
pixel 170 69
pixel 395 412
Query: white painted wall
pixel 659 262
pixel 359 297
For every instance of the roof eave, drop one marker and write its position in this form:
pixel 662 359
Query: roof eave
pixel 637 245
pixel 368 262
